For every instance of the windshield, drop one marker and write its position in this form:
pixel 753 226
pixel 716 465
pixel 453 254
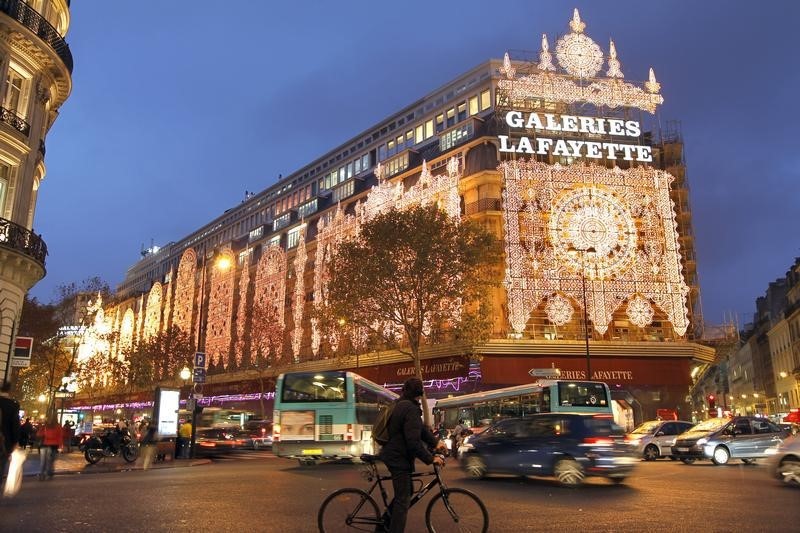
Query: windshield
pixel 647 427
pixel 712 424
pixel 314 387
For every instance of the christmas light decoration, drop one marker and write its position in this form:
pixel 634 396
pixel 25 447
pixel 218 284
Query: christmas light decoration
pixel 299 300
pixel 545 57
pixel 126 332
pixel 270 292
pixel 558 310
pixel 626 219
pixel 152 320
pixel 640 311
pixel 184 291
pixel 614 67
pixel 242 315
pixel 220 310
pixel 169 289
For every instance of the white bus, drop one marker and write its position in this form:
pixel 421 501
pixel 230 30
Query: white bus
pixel 325 415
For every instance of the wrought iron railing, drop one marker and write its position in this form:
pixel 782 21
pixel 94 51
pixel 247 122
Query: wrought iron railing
pixel 22 240
pixel 483 204
pixel 12 119
pixel 35 22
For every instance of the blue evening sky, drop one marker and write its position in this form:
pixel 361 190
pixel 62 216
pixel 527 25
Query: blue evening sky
pixel 179 107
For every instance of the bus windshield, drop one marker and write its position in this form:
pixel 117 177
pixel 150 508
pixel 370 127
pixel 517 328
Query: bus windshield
pixel 314 387
pixel 582 394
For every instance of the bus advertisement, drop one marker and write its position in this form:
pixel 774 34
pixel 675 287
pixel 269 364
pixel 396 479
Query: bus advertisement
pixel 325 415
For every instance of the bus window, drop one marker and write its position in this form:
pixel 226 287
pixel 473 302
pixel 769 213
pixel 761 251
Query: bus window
pixel 314 387
pixel 582 394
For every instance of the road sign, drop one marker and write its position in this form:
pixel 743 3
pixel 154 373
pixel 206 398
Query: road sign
pixel 199 375
pixel 64 394
pixel 23 346
pixel 200 359
pixel 548 373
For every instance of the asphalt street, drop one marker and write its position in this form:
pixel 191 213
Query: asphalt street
pixel 258 492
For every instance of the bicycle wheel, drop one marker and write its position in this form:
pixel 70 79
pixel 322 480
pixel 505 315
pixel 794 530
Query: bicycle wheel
pixel 456 510
pixel 348 510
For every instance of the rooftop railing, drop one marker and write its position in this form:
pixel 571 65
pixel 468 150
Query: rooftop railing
pixel 22 240
pixel 31 19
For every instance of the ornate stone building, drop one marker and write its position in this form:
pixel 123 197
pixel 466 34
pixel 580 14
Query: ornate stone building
pixel 36 68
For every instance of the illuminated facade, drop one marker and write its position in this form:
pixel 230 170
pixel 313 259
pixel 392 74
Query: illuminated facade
pixel 559 158
pixel 36 69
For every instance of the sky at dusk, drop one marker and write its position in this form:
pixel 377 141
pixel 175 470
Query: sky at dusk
pixel 180 107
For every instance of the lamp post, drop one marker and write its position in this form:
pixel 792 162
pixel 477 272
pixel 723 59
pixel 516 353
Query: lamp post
pixel 583 252
pixel 223 263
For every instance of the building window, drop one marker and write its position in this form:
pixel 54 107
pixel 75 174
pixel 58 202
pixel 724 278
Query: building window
pixel 429 129
pixel 473 105
pixel 307 209
pixel 281 221
pixel 8 180
pixel 17 91
pixel 343 191
pixel 486 100
pixel 256 233
pixel 293 237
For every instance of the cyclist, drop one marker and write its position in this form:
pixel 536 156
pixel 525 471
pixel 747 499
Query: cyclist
pixel 407 439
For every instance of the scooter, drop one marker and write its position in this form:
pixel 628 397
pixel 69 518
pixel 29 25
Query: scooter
pixel 97 447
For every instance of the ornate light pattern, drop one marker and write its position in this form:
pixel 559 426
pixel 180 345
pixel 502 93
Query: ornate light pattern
pixel 126 332
pixel 220 311
pixel 545 57
pixel 640 311
pixel 184 291
pixel 139 318
pixel 558 310
pixel 299 300
pixel 614 67
pixel 168 290
pixel 270 292
pixel 578 54
pixel 152 319
pixel 580 57
pixel 507 69
pixel 242 315
pixel 554 215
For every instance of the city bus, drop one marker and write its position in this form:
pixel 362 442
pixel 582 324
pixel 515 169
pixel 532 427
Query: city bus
pixel 544 396
pixel 325 415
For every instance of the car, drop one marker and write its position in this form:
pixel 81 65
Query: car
pixel 567 446
pixel 257 434
pixel 655 438
pixel 784 464
pixel 218 440
pixel 720 439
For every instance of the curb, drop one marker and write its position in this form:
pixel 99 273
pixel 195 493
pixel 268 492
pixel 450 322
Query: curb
pixel 127 467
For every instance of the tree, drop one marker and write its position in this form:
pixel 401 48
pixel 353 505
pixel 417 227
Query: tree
pixel 267 336
pixel 414 276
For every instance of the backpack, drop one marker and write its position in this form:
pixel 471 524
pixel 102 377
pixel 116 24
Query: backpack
pixel 380 429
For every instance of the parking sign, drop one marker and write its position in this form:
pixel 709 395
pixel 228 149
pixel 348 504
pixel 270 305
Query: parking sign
pixel 200 359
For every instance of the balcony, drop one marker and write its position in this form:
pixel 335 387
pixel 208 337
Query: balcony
pixel 22 240
pixel 12 119
pixel 31 19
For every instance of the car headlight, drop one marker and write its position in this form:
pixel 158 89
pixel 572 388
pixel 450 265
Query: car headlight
pixel 702 441
pixel 634 442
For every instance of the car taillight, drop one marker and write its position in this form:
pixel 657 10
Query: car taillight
pixel 598 441
pixel 349 434
pixel 276 432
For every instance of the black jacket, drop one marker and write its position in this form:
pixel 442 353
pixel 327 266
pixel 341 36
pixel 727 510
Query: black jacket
pixel 10 426
pixel 407 437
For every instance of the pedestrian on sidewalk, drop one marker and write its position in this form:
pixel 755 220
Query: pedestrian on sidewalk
pixel 184 440
pixel 26 434
pixel 149 440
pixel 69 433
pixel 52 436
pixel 9 426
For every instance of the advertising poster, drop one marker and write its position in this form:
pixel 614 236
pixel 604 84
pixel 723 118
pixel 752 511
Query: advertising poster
pixel 165 411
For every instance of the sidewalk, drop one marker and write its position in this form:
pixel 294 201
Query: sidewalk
pixel 75 463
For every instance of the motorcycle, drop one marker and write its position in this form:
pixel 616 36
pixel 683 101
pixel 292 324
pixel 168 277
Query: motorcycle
pixel 96 447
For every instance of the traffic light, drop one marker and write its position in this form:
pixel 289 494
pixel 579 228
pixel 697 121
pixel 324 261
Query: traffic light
pixel 712 401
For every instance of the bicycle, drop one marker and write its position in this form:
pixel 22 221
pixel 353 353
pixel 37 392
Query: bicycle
pixel 352 509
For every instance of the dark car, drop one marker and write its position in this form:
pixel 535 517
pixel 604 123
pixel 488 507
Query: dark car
pixel 212 441
pixel 257 434
pixel 568 446
pixel 742 437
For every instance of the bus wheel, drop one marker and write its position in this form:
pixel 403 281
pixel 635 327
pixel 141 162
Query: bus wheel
pixel 307 462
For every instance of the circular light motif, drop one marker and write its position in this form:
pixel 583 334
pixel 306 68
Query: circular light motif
pixel 640 311
pixel 558 310
pixel 592 231
pixel 579 55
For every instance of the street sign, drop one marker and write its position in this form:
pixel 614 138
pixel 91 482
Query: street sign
pixel 547 373
pixel 64 394
pixel 200 359
pixel 23 346
pixel 199 375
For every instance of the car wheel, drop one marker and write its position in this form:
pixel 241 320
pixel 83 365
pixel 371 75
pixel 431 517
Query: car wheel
pixel 651 452
pixel 617 480
pixel 789 471
pixel 673 458
pixel 475 466
pixel 721 455
pixel 256 445
pixel 569 472
pixel 687 460
pixel 749 461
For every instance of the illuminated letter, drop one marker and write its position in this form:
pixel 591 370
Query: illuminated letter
pixel 569 123
pixel 601 126
pixel 543 145
pixel 504 144
pixel 534 122
pixel 576 147
pixel 587 125
pixel 561 148
pixel 628 149
pixel 611 147
pixel 644 153
pixel 524 145
pixel 593 150
pixel 514 119
pixel 551 122
pixel 615 127
pixel 632 128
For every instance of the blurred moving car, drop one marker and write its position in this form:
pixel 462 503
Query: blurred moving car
pixel 218 440
pixel 655 438
pixel 742 437
pixel 568 446
pixel 784 464
pixel 257 434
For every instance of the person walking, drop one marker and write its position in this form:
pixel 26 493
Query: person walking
pixel 148 445
pixel 184 440
pixel 26 434
pixel 9 424
pixel 52 436
pixel 408 438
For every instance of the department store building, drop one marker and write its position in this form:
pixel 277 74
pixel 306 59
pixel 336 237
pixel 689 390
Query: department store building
pixel 556 152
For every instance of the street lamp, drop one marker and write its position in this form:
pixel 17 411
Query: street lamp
pixel 583 252
pixel 185 374
pixel 223 262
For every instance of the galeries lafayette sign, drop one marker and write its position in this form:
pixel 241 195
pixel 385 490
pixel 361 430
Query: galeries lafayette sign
pixel 549 122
